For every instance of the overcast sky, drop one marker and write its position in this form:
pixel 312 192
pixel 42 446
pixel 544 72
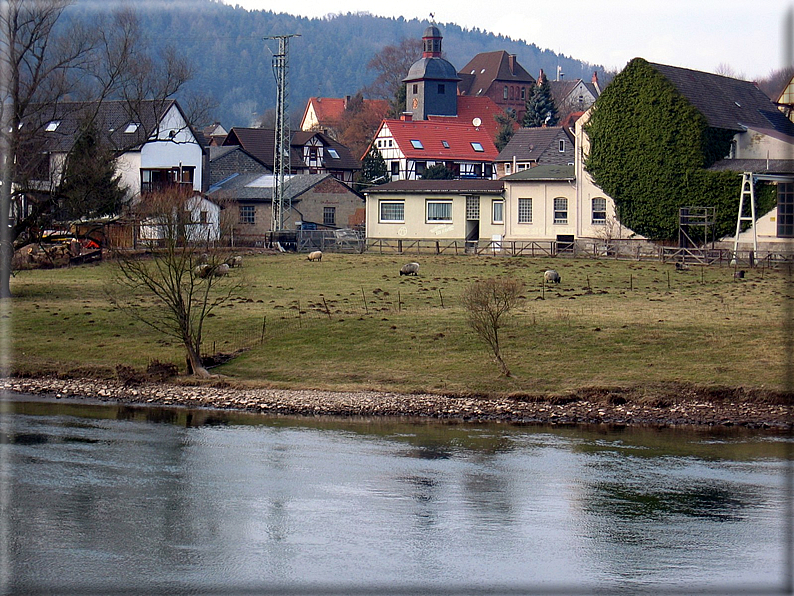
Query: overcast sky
pixel 748 36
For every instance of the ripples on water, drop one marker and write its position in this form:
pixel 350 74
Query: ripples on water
pixel 97 498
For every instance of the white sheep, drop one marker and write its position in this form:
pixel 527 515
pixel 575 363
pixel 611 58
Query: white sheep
pixel 551 276
pixel 316 255
pixel 235 261
pixel 410 269
pixel 221 270
pixel 202 270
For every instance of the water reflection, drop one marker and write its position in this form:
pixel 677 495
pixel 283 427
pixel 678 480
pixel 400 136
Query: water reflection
pixel 188 499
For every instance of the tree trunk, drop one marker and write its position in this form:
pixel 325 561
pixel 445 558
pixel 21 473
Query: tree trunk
pixel 194 362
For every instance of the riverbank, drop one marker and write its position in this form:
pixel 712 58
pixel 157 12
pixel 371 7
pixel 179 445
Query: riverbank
pixel 661 405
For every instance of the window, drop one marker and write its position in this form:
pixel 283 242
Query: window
pixel 473 208
pixel 498 210
pixel 562 146
pixel 478 170
pixel 392 211
pixel 52 126
pixel 415 89
pixel 203 218
pixel 132 127
pixel 524 210
pixel 441 89
pixel 477 146
pixel 417 144
pixel 332 152
pixel 420 167
pixel 504 93
pixel 599 210
pixel 560 210
pixel 395 168
pixel 329 216
pixel 523 92
pixel 446 145
pixel 785 210
pixel 488 170
pixel 247 214
pixel 439 211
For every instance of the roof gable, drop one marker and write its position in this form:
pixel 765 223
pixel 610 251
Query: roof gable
pixel 528 144
pixel 441 140
pixel 486 68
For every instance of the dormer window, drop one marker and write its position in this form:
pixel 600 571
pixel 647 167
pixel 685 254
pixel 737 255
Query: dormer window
pixel 53 125
pixel 446 145
pixel 477 147
pixel 131 128
pixel 332 152
pixel 417 144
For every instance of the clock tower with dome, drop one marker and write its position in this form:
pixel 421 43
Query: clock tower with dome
pixel 431 87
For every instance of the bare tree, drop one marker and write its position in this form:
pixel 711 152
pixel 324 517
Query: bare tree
pixel 391 65
pixel 174 289
pixel 488 305
pixel 43 66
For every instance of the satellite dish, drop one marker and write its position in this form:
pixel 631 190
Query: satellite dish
pixel 476 122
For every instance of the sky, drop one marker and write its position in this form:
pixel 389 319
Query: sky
pixel 746 36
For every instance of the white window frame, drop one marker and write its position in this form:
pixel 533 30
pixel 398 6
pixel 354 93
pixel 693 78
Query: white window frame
pixel 602 202
pixel 385 202
pixel 501 204
pixel 439 202
pixel 417 144
pixel 562 145
pixel 477 146
pixel 560 211
pixel 526 212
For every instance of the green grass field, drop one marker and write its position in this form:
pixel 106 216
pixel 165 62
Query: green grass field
pixel 351 322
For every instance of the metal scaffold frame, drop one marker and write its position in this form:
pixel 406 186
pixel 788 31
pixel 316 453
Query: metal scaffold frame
pixel 282 205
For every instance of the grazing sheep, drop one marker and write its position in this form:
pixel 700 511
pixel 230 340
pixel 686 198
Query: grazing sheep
pixel 681 267
pixel 203 258
pixel 410 269
pixel 316 255
pixel 739 274
pixel 202 270
pixel 551 276
pixel 235 261
pixel 221 270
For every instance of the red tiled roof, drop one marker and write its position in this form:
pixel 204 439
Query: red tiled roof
pixel 432 134
pixel 470 108
pixel 329 110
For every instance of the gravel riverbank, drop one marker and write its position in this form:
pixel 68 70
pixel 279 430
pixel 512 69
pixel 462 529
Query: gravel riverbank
pixel 668 405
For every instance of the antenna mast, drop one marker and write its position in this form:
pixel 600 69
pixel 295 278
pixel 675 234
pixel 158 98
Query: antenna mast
pixel 281 149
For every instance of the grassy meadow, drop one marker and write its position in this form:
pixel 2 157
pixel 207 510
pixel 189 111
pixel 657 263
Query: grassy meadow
pixel 352 322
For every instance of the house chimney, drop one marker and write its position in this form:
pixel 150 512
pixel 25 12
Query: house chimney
pixel 347 101
pixel 595 82
pixel 511 61
pixel 407 117
pixel 541 78
pixel 560 74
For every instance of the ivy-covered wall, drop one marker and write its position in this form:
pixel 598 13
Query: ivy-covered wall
pixel 649 148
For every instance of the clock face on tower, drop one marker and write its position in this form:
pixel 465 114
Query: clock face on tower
pixel 415 103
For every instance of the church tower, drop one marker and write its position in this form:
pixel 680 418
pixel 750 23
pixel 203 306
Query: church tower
pixel 431 87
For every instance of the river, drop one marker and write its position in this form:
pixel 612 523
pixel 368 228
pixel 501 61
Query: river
pixel 103 499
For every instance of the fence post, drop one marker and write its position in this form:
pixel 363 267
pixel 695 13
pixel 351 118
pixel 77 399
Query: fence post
pixel 264 328
pixel 364 298
pixel 328 312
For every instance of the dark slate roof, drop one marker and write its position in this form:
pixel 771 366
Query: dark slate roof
pixel 486 67
pixel 756 166
pixel 440 186
pixel 727 103
pixel 543 172
pixel 260 143
pixel 433 68
pixel 244 187
pixel 112 120
pixel 530 143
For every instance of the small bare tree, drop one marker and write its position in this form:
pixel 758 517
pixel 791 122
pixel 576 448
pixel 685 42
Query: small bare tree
pixel 488 304
pixel 174 289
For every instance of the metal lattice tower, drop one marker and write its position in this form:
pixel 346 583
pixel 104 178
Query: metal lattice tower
pixel 281 150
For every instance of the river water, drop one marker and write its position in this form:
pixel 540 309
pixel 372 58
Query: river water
pixel 100 499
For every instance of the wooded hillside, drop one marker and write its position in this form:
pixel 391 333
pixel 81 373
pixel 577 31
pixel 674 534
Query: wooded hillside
pixel 232 58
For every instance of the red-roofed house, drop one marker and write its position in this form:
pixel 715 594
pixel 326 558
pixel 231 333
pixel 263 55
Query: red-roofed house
pixel 411 146
pixel 324 114
pixel 499 76
pixel 478 111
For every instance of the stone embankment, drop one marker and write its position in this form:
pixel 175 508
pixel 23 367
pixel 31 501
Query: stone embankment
pixel 667 406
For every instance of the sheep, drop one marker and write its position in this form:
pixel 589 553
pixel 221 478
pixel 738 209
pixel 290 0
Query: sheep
pixel 316 255
pixel 235 261
pixel 551 276
pixel 202 270
pixel 221 270
pixel 739 274
pixel 410 269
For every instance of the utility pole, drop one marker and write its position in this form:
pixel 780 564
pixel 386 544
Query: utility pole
pixel 281 149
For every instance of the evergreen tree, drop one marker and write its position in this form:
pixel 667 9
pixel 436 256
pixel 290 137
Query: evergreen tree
pixel 540 105
pixel 373 170
pixel 507 127
pixel 90 186
pixel 438 172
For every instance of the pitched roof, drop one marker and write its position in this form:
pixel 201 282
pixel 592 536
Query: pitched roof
pixel 259 187
pixel 528 144
pixel 470 108
pixel 260 143
pixel 124 125
pixel 463 186
pixel 486 67
pixel 757 166
pixel 726 103
pixel 434 134
pixel 543 172
pixel 329 110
